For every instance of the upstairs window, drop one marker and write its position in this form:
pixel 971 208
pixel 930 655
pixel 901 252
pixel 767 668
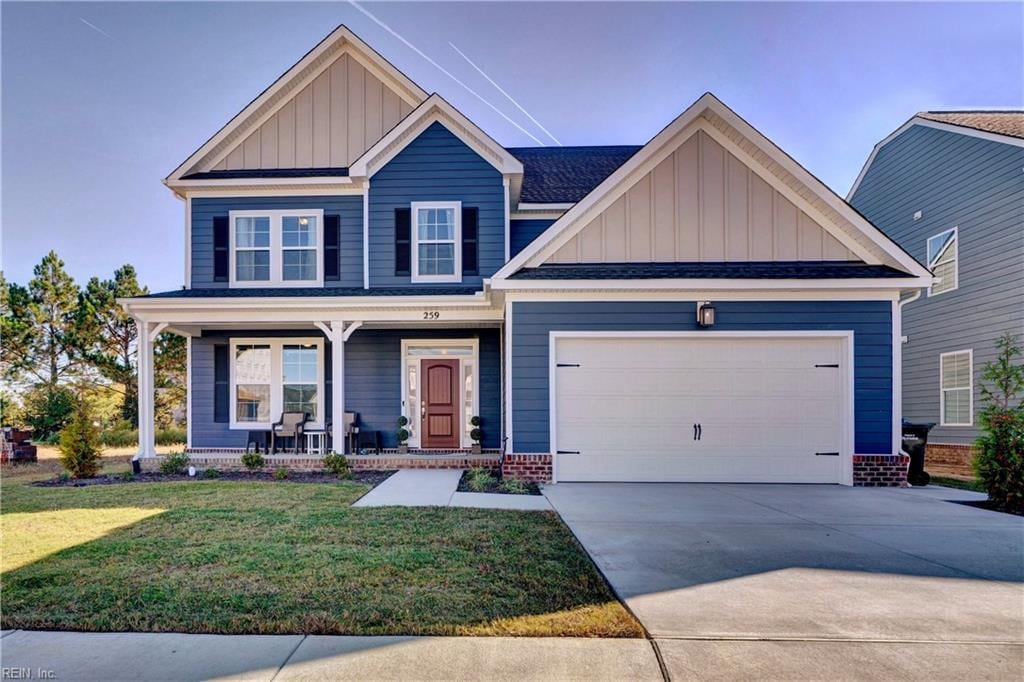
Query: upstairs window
pixel 956 381
pixel 276 248
pixel 436 236
pixel 942 261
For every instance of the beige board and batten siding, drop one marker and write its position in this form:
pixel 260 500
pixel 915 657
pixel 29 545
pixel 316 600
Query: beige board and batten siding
pixel 329 123
pixel 701 203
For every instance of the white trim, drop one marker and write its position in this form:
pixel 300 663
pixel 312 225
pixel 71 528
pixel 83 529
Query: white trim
pixel 537 215
pixel 434 110
pixel 555 206
pixel 938 125
pixel 456 208
pixel 849 426
pixel 508 217
pixel 276 378
pixel 188 391
pixel 366 240
pixel 508 377
pixel 969 387
pixel 956 259
pixel 218 192
pixel 711 284
pixel 702 294
pixel 277 248
pixel 687 123
pixel 471 342
pixel 188 241
pixel 340 41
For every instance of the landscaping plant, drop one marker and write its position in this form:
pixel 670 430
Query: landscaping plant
pixel 403 433
pixel 337 465
pixel 999 463
pixel 476 434
pixel 280 474
pixel 174 463
pixel 479 480
pixel 514 486
pixel 253 461
pixel 80 444
pixel 210 473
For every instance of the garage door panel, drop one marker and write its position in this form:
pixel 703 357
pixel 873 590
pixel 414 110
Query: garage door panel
pixel 627 405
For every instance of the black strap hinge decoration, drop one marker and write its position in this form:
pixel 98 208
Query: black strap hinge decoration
pixel 826 454
pixel 836 365
pixel 567 452
pixel 567 364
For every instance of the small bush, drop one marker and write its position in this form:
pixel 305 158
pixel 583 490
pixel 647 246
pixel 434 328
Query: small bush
pixel 280 474
pixel 478 480
pixel 999 464
pixel 337 465
pixel 253 461
pixel 126 476
pixel 174 463
pixel 402 433
pixel 63 477
pixel 210 473
pixel 515 487
pixel 80 444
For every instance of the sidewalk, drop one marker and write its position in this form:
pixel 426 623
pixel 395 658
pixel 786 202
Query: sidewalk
pixel 437 488
pixel 159 656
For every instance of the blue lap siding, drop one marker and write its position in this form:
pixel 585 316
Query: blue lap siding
pixel 522 232
pixel 870 321
pixel 372 381
pixel 348 207
pixel 436 166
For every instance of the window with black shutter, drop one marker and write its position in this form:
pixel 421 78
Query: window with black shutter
pixel 403 241
pixel 470 249
pixel 221 385
pixel 332 248
pixel 221 245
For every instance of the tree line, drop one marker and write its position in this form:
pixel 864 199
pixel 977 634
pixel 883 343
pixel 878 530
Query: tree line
pixel 62 345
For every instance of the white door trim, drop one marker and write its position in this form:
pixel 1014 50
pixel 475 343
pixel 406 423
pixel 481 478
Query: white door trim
pixel 470 342
pixel 846 336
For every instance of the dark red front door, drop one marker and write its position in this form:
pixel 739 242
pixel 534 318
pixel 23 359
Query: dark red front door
pixel 440 403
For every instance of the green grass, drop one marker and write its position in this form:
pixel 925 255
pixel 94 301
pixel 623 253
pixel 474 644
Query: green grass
pixel 962 483
pixel 279 557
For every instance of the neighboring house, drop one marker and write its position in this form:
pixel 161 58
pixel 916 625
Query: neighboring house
pixel 948 186
pixel 700 308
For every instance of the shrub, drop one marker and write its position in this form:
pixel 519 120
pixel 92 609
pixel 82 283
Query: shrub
pixel 999 464
pixel 80 444
pixel 169 436
pixel 210 473
pixel 174 463
pixel 476 433
pixel 126 476
pixel 280 474
pixel 478 480
pixel 253 461
pixel 515 486
pixel 63 477
pixel 338 465
pixel 403 433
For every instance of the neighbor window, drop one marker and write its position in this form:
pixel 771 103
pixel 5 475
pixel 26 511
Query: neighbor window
pixel 271 376
pixel 942 261
pixel 956 388
pixel 436 236
pixel 276 248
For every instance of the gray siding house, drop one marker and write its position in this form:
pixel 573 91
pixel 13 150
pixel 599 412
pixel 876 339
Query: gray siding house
pixel 359 253
pixel 949 188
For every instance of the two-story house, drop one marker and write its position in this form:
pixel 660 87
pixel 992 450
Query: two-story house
pixel 948 186
pixel 700 308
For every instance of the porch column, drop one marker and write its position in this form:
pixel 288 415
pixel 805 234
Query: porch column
pixel 148 331
pixel 337 337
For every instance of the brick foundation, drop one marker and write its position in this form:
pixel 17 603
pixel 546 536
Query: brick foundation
pixel 530 468
pixel 949 458
pixel 880 470
pixel 450 461
pixel 231 460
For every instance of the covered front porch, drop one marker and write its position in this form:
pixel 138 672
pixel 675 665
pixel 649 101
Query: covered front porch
pixel 354 368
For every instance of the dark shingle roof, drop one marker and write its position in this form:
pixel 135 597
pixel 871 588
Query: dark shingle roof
pixel 556 175
pixel 1009 123
pixel 298 292
pixel 717 270
pixel 269 173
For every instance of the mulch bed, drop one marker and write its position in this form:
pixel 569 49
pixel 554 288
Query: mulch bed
pixel 371 478
pixel 987 504
pixel 494 487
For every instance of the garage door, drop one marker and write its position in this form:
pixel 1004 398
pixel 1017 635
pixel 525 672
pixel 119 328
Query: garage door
pixel 707 408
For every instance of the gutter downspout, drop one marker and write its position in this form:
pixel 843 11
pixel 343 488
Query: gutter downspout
pixel 898 385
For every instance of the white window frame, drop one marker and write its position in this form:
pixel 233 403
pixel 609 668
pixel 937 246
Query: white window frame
pixel 277 345
pixel 277 248
pixel 969 387
pixel 415 208
pixel 956 260
pixel 474 343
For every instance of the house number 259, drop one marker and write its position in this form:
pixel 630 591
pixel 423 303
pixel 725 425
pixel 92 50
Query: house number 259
pixel 431 315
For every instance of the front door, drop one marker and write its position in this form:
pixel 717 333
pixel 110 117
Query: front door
pixel 440 411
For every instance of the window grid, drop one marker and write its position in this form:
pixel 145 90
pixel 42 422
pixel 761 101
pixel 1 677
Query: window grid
pixel 956 388
pixel 436 233
pixel 943 261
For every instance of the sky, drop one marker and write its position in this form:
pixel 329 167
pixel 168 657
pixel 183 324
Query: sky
pixel 100 101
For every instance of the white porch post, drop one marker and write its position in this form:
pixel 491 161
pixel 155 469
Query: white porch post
pixel 147 413
pixel 338 386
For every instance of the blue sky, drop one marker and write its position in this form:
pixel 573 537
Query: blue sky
pixel 100 101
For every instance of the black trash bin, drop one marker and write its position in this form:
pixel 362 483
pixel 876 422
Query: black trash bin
pixel 915 439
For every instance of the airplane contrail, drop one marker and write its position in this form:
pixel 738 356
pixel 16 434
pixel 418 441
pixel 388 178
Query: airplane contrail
pixel 95 28
pixel 445 71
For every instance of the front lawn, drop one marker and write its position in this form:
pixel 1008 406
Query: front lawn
pixel 279 557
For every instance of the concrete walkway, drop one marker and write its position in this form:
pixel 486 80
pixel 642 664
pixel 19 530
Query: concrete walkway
pixel 157 656
pixel 437 488
pixel 809 581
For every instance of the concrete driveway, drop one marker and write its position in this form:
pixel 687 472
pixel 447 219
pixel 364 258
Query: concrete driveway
pixel 806 581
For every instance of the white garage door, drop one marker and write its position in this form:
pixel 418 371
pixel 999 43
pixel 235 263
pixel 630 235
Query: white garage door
pixel 707 408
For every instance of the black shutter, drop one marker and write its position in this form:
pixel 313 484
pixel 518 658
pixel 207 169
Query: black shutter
pixel 221 388
pixel 332 251
pixel 220 248
pixel 470 217
pixel 403 243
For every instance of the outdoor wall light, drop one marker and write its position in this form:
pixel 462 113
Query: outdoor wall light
pixel 705 314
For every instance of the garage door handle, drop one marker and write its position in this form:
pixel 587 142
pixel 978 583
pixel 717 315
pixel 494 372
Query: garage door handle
pixel 567 452
pixel 700 431
pixel 695 432
pixel 826 454
pixel 835 365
